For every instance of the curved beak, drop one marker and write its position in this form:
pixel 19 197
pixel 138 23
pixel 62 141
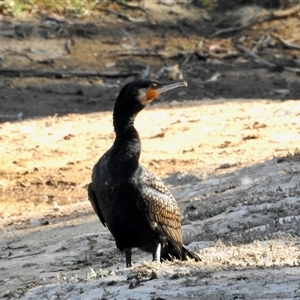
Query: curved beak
pixel 170 86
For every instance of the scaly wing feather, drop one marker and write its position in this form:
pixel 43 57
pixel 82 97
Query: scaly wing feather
pixel 160 207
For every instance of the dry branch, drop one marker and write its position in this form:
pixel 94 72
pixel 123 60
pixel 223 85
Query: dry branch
pixel 24 255
pixel 244 21
pixel 242 18
pixel 229 30
pixel 124 17
pixel 160 53
pixel 232 54
pixel 63 74
pixel 285 43
pixel 130 38
pixel 252 55
pixel 263 36
pixel 294 70
pixel 282 13
pixel 262 61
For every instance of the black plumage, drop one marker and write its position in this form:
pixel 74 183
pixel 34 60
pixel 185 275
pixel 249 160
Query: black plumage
pixel 131 201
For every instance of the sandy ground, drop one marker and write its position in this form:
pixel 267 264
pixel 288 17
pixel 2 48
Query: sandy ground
pixel 238 192
pixel 227 147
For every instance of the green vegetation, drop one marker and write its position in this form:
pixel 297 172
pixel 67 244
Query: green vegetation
pixel 12 7
pixel 84 7
pixel 66 7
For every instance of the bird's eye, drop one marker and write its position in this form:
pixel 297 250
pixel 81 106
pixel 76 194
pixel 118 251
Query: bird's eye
pixel 154 85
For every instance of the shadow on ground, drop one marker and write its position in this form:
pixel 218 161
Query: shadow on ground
pixel 171 46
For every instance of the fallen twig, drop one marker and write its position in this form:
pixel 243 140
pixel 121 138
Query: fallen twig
pixel 262 61
pixel 232 54
pixel 24 255
pixel 226 166
pixel 251 54
pixel 242 18
pixel 211 54
pixel 263 37
pixel 229 30
pixel 186 59
pixel 285 43
pixel 15 248
pixel 124 17
pixel 64 74
pixel 19 117
pixel 256 18
pixel 68 44
pixel 161 53
pixel 282 13
pixel 294 70
pixel 130 39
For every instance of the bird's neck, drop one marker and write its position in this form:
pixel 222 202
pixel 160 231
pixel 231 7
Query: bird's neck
pixel 126 149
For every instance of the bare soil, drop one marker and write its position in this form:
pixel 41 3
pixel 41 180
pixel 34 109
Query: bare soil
pixel 226 146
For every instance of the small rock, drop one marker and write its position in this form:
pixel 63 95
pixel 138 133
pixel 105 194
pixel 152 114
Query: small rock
pixel 134 283
pixel 153 275
pixel 45 222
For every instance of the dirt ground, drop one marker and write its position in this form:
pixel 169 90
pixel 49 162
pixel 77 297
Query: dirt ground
pixel 226 146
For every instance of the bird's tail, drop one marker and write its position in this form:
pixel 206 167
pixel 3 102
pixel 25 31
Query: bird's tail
pixel 169 252
pixel 190 254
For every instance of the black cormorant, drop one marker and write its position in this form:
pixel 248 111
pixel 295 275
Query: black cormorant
pixel 131 201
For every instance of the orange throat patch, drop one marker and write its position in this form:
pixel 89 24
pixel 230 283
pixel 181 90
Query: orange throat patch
pixel 151 94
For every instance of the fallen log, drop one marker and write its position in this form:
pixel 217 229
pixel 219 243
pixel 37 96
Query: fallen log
pixel 64 74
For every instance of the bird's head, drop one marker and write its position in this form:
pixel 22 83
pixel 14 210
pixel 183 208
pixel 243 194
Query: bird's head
pixel 143 91
pixel 148 89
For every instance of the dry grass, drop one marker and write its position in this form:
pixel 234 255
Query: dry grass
pixel 65 7
pixel 256 254
pixel 220 256
pixel 290 156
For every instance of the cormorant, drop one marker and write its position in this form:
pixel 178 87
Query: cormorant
pixel 131 201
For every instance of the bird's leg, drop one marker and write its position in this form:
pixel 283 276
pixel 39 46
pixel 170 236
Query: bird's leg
pixel 128 257
pixel 157 254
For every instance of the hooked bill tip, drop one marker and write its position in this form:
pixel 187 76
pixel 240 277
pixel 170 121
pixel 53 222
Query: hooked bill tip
pixel 171 86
